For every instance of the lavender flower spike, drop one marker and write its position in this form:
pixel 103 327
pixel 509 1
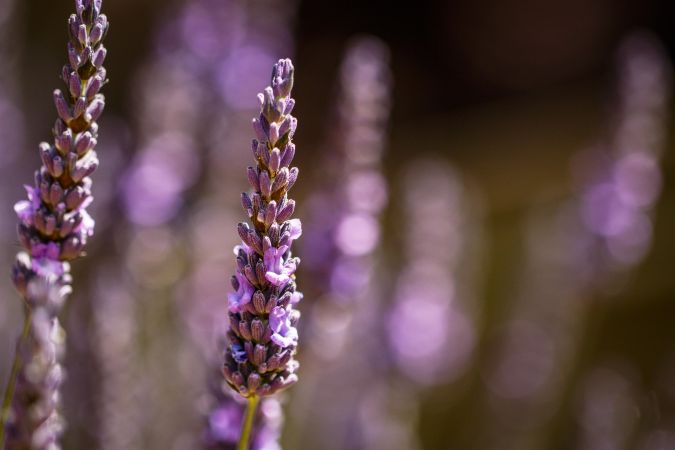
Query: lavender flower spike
pixel 262 335
pixel 53 229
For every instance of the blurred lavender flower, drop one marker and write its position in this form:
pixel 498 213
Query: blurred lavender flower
pixel 115 336
pixel 608 400
pixel 34 422
pixel 341 249
pixel 342 242
pixel 431 324
pixel 579 246
pixel 620 186
pixel 53 228
pixel 262 335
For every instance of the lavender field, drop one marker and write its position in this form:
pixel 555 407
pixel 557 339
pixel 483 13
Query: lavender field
pixel 451 225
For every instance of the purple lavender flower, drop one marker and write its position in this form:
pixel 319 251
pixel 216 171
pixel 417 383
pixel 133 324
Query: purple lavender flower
pixel 53 223
pixel 53 228
pixel 262 335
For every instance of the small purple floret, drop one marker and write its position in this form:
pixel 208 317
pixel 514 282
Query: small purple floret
pixel 284 334
pixel 242 296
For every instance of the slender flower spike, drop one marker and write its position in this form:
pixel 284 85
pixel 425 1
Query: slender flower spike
pixel 53 229
pixel 53 223
pixel 262 335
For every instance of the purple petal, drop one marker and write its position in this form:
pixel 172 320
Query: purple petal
pixel 242 296
pixel 277 279
pixel 296 297
pixel 295 228
pixel 24 210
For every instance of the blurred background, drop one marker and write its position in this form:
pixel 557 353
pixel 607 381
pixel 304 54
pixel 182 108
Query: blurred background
pixel 487 203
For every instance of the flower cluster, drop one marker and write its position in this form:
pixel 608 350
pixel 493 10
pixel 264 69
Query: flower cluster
pixel 53 229
pixel 53 222
pixel 262 335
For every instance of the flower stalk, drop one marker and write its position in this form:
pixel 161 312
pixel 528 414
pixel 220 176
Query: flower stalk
pixel 247 425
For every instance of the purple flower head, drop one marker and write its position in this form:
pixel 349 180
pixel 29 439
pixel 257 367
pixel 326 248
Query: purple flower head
pixel 262 334
pixel 53 229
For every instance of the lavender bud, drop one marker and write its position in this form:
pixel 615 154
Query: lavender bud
pixel 260 271
pixel 253 382
pixel 250 275
pixel 274 133
pixel 245 330
pixel 243 230
pixel 289 154
pixel 275 161
pixel 83 143
pixel 246 203
pixel 253 178
pixel 82 35
pixel 73 56
pixel 93 86
pixel 96 33
pixel 280 180
pixel 259 130
pixel 55 194
pixel 287 211
pixel 96 107
pixel 257 330
pixel 270 213
pixel 271 304
pixel 265 184
pixel 62 108
pixel 292 177
pixel 75 197
pixel 75 85
pixel 79 107
pixel 274 233
pixel 260 354
pixel 63 141
pixel 99 57
pixel 72 248
pixel 259 302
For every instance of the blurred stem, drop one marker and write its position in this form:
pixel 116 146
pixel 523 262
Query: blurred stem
pixel 247 424
pixel 11 383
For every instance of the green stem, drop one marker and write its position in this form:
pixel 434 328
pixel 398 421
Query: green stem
pixel 247 424
pixel 11 383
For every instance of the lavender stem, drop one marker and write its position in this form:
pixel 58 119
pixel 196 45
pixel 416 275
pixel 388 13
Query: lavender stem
pixel 247 424
pixel 11 382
